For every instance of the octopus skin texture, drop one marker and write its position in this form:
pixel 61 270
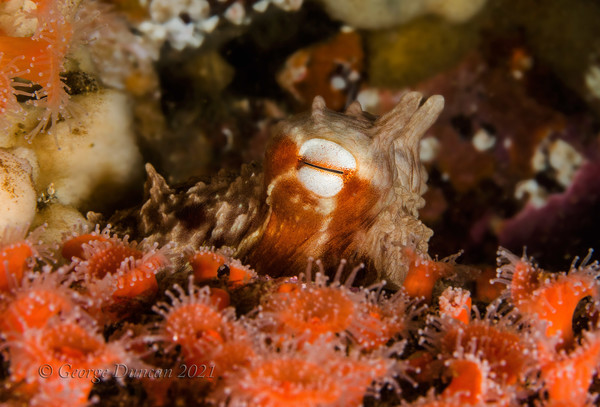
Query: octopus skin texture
pixel 332 186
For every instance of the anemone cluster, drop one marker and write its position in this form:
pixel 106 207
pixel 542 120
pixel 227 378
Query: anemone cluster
pixel 101 315
pixel 89 90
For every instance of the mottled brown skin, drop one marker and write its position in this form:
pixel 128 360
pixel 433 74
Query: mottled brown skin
pixel 275 223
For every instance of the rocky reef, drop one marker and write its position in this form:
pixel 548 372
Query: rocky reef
pixel 244 203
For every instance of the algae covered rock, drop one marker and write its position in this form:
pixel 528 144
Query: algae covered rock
pixel 405 55
pixel 388 13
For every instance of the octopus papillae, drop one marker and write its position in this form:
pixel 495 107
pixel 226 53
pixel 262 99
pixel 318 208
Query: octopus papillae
pixel 332 186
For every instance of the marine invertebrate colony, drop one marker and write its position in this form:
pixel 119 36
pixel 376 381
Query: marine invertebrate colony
pixel 334 186
pixel 301 341
pixel 197 297
pixel 39 59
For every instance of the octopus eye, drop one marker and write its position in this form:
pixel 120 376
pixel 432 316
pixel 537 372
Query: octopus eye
pixel 323 166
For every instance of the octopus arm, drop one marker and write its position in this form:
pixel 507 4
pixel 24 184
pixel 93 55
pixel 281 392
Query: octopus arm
pixel 397 225
pixel 221 212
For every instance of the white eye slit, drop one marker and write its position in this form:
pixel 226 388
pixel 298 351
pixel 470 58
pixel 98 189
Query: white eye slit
pixel 323 183
pixel 327 155
pixel 323 168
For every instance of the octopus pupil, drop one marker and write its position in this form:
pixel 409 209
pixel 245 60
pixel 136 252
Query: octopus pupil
pixel 323 168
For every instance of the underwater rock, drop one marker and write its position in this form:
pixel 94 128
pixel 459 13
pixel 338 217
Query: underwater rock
pixel 57 219
pixel 208 71
pixel 571 213
pixel 332 70
pixel 489 156
pixel 98 158
pixel 187 23
pixel 407 54
pixel 385 13
pixel 564 38
pixel 17 192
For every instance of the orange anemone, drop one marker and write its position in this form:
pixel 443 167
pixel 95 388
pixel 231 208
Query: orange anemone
pixel 550 297
pixel 13 263
pixel 423 274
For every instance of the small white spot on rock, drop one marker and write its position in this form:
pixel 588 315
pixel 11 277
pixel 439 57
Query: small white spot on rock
pixel 235 13
pixel 592 80
pixel 338 83
pixel 261 6
pixel 369 99
pixel 209 24
pixel 537 195
pixel 565 160
pixel 483 141
pixel 430 146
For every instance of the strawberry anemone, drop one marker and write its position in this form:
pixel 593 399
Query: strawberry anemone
pixel 39 60
pixel 18 255
pixel 550 297
pixel 206 333
pixel 499 340
pixel 315 309
pixel 116 274
pixel 65 354
pixel 470 385
pixel 316 374
pixel 8 103
pixel 208 264
pixel 456 303
pixel 567 376
pixel 384 318
pixel 39 297
pixel 423 273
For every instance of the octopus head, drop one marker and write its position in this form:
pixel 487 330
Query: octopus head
pixel 329 176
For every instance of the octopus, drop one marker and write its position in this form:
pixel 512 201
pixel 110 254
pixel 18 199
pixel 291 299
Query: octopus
pixel 332 186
